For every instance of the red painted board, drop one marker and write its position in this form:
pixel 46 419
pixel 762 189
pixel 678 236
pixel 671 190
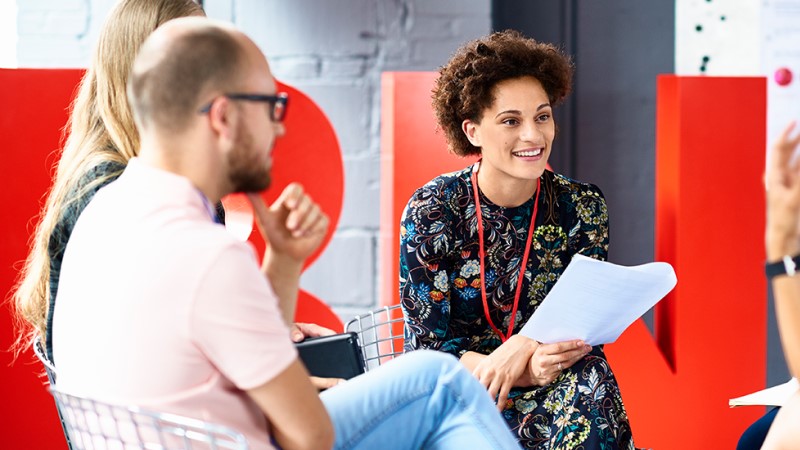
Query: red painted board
pixel 34 112
pixel 710 340
pixel 413 152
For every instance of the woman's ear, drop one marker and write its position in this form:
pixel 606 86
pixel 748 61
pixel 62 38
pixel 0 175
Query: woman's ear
pixel 472 131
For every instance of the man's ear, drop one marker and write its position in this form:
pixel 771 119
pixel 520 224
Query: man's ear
pixel 221 117
pixel 472 131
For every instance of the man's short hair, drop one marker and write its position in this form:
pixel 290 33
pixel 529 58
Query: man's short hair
pixel 175 72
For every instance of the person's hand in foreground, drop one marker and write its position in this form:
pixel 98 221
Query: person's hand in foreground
pixel 782 182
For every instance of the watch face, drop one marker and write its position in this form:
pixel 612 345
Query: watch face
pixel 789 265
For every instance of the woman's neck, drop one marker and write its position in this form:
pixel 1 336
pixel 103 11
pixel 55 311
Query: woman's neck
pixel 505 191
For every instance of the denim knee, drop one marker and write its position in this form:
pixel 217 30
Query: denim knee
pixel 436 367
pixel 432 360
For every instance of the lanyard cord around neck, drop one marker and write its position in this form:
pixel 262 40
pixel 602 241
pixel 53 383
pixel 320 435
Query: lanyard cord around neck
pixel 482 252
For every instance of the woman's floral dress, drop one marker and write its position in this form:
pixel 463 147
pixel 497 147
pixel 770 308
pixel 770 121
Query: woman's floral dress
pixel 441 297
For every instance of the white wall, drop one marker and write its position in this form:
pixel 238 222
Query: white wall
pixel 334 51
pixel 719 38
pixel 8 33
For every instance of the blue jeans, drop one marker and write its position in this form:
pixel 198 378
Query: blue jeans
pixel 424 399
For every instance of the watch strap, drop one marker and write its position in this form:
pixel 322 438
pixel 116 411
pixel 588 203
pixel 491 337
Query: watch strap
pixel 788 265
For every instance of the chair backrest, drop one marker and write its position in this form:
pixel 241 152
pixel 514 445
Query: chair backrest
pixel 49 368
pixel 380 334
pixel 95 425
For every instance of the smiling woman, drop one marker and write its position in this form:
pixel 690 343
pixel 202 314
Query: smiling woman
pixel 515 138
pixel 8 33
pixel 481 248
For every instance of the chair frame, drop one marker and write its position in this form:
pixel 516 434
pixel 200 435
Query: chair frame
pixel 377 335
pixel 50 370
pixel 92 424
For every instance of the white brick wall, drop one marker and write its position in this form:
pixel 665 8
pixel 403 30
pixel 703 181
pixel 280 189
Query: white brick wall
pixel 58 33
pixel 334 51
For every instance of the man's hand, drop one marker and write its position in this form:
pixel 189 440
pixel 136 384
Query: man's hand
pixel 298 333
pixel 294 225
pixel 782 181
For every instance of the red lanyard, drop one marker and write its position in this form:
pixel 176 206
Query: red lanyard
pixel 481 255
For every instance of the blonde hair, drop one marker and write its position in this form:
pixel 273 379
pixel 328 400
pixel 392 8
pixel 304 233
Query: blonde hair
pixel 100 129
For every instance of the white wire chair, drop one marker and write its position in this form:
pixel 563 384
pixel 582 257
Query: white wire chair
pixel 380 335
pixel 95 425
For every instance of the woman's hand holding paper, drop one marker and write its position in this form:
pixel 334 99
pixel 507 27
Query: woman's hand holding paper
pixel 549 360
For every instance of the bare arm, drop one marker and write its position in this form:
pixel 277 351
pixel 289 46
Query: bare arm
pixel 283 274
pixel 782 238
pixel 296 415
pixel 786 292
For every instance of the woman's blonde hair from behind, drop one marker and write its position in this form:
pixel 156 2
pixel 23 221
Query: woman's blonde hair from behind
pixel 100 129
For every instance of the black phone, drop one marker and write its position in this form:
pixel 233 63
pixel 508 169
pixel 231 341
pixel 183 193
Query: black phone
pixel 335 356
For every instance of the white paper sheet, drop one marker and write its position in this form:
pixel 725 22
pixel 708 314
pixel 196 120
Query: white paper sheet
pixel 596 300
pixel 774 396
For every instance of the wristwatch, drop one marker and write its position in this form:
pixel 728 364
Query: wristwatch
pixel 788 265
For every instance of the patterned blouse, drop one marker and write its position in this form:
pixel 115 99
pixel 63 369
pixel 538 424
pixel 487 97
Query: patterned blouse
pixel 441 297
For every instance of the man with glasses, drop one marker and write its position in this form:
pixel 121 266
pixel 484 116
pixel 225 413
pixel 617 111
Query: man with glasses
pixel 158 306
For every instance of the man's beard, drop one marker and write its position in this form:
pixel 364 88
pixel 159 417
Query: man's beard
pixel 246 173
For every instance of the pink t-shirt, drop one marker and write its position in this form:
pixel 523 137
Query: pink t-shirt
pixel 160 307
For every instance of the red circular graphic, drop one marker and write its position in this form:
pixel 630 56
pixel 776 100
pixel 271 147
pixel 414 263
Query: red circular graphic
pixel 309 154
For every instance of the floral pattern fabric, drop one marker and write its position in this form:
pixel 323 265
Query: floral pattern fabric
pixel 440 294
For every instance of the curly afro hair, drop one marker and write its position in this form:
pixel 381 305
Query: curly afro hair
pixel 464 87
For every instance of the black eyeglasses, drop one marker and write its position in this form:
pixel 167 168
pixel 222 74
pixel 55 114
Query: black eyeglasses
pixel 277 103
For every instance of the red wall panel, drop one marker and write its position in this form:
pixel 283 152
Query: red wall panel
pixel 34 112
pixel 413 152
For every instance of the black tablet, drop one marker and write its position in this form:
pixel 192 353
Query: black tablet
pixel 336 356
